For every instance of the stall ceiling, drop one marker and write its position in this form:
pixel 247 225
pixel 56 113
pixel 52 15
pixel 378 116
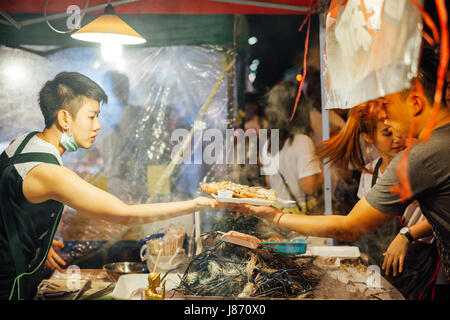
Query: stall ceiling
pixel 165 23
pixel 161 22
pixel 161 6
pixel 158 30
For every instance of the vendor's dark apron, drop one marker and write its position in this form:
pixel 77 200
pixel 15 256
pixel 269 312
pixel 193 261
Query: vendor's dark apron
pixel 49 212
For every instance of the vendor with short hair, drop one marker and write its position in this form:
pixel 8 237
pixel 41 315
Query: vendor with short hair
pixel 34 185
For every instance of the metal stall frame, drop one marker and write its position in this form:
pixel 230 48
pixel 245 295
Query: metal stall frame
pixel 325 120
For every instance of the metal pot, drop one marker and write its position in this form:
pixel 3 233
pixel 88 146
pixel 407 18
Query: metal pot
pixel 116 269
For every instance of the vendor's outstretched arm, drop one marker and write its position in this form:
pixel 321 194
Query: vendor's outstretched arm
pixel 362 219
pixel 47 181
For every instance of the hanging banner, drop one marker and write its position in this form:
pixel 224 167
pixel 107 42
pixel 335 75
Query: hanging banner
pixel 372 49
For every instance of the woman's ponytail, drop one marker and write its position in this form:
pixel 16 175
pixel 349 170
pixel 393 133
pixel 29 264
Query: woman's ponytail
pixel 345 147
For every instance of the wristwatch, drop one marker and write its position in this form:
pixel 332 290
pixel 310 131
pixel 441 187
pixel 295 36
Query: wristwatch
pixel 405 231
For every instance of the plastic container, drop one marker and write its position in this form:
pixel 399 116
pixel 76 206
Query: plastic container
pixel 288 247
pixel 346 252
pixel 225 193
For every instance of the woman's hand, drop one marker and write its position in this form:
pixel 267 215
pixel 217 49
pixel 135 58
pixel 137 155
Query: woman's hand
pixel 395 255
pixel 53 257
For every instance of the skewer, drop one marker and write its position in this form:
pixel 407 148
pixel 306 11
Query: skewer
pixel 157 259
pixel 191 242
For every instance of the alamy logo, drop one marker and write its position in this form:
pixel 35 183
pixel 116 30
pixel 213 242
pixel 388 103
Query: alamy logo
pixel 229 147
pixel 73 280
pixel 74 19
pixel 374 279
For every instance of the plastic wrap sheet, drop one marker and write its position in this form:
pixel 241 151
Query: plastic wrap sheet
pixel 151 93
pixel 372 49
pixel 22 74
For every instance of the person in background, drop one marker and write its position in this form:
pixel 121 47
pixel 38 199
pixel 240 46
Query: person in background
pixel 298 174
pixel 386 240
pixel 35 186
pixel 122 143
pixel 253 120
pixel 254 112
pixel 344 183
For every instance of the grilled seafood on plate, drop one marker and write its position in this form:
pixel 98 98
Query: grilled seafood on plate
pixel 240 191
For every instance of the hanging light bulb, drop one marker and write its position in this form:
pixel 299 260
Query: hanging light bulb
pixel 108 28
pixel 252 77
pixel 252 40
pixel 15 72
pixel 111 51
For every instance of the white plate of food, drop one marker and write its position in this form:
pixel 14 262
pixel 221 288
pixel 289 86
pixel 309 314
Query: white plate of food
pixel 229 192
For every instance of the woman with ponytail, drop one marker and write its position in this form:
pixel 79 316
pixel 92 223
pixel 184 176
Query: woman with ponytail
pixel 345 148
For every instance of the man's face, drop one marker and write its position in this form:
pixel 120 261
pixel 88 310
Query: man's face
pixel 396 113
pixel 86 124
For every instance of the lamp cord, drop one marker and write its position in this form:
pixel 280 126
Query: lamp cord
pixel 59 31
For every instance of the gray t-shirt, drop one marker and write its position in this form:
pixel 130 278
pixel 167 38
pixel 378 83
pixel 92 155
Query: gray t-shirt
pixel 429 175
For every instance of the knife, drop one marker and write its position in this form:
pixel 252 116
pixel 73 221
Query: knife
pixel 100 293
pixel 83 289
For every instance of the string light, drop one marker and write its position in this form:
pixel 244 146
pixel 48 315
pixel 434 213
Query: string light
pixel 252 40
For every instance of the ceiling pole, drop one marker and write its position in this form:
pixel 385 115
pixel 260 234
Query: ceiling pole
pixel 325 121
pixel 10 20
pixel 267 5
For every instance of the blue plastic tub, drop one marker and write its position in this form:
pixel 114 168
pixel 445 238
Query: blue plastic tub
pixel 297 246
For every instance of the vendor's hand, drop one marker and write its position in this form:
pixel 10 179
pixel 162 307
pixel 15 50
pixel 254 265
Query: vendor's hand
pixel 266 212
pixel 53 258
pixel 208 202
pixel 395 255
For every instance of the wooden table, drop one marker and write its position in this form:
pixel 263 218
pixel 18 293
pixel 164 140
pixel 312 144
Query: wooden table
pixel 99 280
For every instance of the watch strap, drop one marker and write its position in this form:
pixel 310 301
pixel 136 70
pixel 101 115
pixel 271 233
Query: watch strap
pixel 408 235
